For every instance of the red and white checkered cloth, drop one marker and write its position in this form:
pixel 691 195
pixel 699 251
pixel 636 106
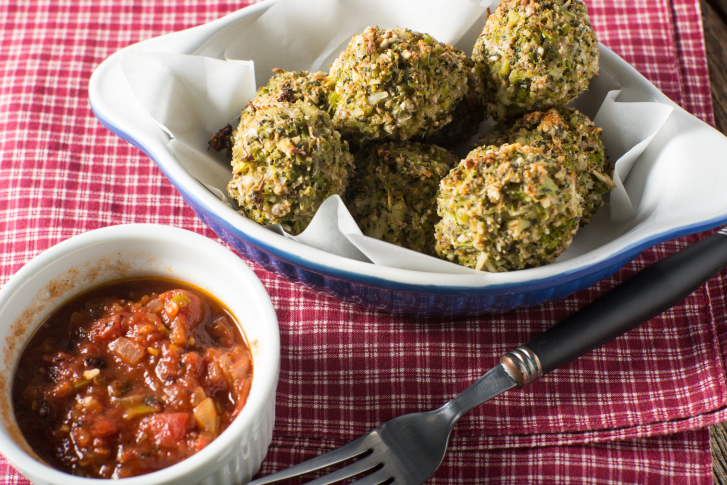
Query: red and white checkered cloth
pixel 633 411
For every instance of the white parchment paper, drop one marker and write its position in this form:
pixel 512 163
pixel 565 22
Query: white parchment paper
pixel 309 35
pixel 191 97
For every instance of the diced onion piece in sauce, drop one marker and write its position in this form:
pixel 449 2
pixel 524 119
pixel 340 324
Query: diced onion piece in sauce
pixel 205 413
pixel 126 350
pixel 235 366
pixel 155 306
pixel 198 396
pixel 240 369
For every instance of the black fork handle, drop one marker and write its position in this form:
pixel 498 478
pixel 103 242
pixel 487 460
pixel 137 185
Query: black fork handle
pixel 648 293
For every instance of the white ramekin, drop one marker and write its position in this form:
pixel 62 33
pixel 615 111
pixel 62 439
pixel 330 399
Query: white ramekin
pixel 116 252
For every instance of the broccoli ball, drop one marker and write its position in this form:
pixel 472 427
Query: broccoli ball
pixel 506 208
pixel 286 160
pixel 567 136
pixel 395 85
pixel 394 191
pixel 298 86
pixel 535 54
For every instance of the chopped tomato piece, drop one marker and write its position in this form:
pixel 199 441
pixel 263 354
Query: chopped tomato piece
pixel 193 365
pixel 220 329
pixel 101 426
pixel 106 329
pixel 184 306
pixel 166 429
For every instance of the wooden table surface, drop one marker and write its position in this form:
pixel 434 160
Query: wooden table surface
pixel 714 17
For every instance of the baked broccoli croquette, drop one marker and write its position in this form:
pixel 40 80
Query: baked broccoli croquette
pixel 506 208
pixel 393 193
pixel 286 160
pixel 567 136
pixel 395 85
pixel 535 54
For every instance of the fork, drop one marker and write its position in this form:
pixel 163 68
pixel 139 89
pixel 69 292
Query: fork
pixel 408 449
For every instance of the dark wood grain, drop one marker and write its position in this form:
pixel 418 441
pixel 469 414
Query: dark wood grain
pixel 718 5
pixel 714 18
pixel 718 434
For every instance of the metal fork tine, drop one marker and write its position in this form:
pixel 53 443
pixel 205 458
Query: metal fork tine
pixel 333 457
pixel 363 465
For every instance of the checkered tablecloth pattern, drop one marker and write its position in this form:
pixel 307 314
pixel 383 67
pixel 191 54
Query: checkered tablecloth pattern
pixel 633 411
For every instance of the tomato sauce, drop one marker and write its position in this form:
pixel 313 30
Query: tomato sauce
pixel 130 378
